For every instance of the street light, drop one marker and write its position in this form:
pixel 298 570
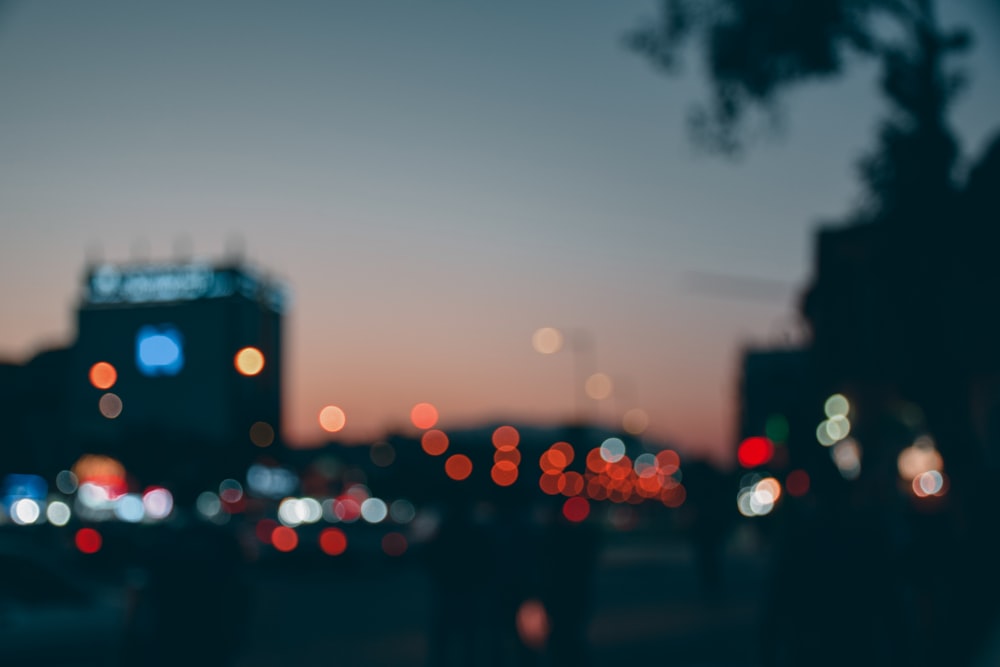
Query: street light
pixel 550 340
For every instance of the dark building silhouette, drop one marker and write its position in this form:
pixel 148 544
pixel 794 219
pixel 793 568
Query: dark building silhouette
pixel 176 408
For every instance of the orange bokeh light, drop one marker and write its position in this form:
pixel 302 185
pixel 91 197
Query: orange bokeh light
pixel 424 415
pixel 504 473
pixel 284 538
pixel 332 419
pixel 552 460
pixel 549 482
pixel 668 461
pixel 571 484
pixel 565 449
pixel 595 462
pixel 511 455
pixel 506 437
pixel 458 467
pixel 249 361
pixel 103 375
pixel 434 442
pixel 674 497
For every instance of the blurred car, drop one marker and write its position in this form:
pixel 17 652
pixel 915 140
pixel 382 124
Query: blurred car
pixel 52 614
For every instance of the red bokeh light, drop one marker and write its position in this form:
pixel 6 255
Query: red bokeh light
pixel 88 540
pixel 332 541
pixel 284 538
pixel 458 467
pixel 434 442
pixel 264 529
pixel 797 483
pixel 576 509
pixel 506 437
pixel 394 544
pixel 755 451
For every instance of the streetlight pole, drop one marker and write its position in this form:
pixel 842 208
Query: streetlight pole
pixel 549 340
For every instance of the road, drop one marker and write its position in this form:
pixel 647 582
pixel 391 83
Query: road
pixel 648 610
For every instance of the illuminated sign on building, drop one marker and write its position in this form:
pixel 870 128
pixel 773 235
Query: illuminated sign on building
pixel 159 350
pixel 109 284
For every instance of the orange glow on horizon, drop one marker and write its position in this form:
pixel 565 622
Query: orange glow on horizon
pixel 103 375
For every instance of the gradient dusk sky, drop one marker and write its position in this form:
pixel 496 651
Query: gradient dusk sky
pixel 433 181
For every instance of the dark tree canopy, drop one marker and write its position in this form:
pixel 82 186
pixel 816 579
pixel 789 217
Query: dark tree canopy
pixel 756 49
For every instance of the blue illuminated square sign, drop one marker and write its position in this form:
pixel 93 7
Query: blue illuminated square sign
pixel 159 350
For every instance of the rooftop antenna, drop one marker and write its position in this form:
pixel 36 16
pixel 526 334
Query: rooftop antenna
pixel 183 249
pixel 140 250
pixel 235 249
pixel 94 254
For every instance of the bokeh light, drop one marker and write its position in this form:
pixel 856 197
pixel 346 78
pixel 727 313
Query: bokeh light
pixel 332 541
pixel 797 483
pixel 158 503
pixel 511 455
pixel 230 491
pixel 503 473
pixel 382 454
pixel 374 510
pixel 284 538
pixel 249 361
pixel 58 513
pixel 920 457
pixel 547 340
pixel 635 421
pixel 262 434
pixel 434 442
pixel 103 375
pixel 394 544
pixel 612 450
pixel 458 467
pixel 88 540
pixel 402 511
pixel 423 415
pixel 129 508
pixel 755 451
pixel 836 406
pixel 576 509
pixel 25 511
pixel 598 386
pixel 332 419
pixel 532 622
pixel 110 405
pixel 67 482
pixel 505 437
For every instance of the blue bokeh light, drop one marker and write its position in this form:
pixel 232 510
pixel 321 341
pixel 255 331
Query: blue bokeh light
pixel 159 350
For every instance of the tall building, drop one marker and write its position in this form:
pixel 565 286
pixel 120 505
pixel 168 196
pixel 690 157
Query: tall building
pixel 176 370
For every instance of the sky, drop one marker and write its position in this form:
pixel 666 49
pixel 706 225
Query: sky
pixel 433 182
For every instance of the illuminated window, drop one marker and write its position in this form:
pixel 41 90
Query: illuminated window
pixel 159 350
